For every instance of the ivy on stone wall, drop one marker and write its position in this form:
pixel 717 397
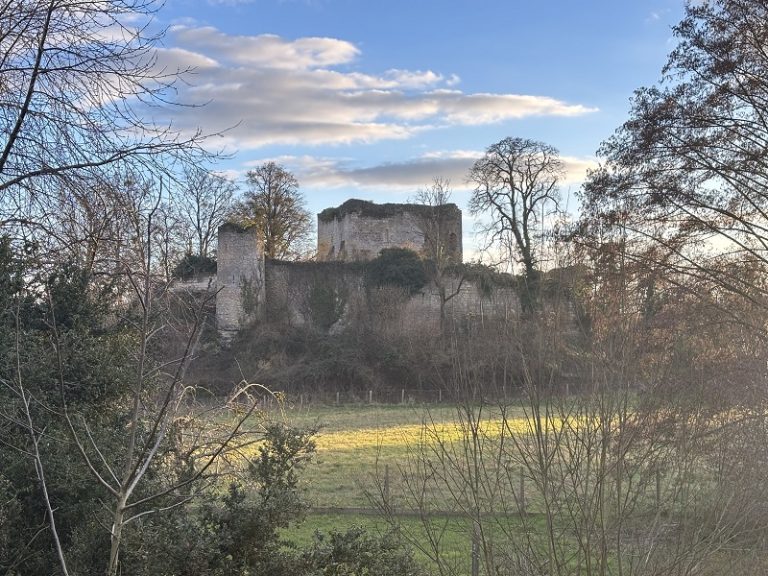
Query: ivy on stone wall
pixel 486 278
pixel 326 302
pixel 397 267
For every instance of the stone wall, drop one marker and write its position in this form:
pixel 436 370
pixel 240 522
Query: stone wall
pixel 469 305
pixel 333 296
pixel 359 230
pixel 317 293
pixel 240 282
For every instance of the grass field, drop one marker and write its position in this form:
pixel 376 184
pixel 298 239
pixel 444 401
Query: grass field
pixel 432 455
pixel 600 484
pixel 355 444
pixel 354 441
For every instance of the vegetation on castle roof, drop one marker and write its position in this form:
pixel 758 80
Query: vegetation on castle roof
pixel 380 211
pixel 230 226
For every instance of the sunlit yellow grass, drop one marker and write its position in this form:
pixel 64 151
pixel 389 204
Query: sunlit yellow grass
pixel 409 435
pixel 355 444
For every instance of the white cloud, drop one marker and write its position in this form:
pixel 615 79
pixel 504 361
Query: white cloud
pixel 576 169
pixel 173 59
pixel 471 154
pixel 491 108
pixel 267 50
pixel 310 91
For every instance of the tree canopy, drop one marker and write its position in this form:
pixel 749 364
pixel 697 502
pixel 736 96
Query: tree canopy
pixel 516 186
pixel 686 176
pixel 274 204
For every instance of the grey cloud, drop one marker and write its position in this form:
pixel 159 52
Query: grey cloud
pixel 412 174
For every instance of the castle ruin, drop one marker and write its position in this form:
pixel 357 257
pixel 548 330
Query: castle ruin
pixel 327 293
pixel 240 278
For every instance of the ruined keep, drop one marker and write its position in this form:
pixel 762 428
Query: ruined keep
pixel 359 230
pixel 329 293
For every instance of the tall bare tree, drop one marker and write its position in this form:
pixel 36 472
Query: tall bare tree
pixel 686 177
pixel 275 206
pixel 516 184
pixel 204 202
pixel 77 77
pixel 152 409
pixel 433 222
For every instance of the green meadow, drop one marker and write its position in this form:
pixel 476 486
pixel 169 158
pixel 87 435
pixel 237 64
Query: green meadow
pixel 360 447
pixel 447 479
pixel 362 452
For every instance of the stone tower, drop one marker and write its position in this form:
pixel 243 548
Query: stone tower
pixel 359 230
pixel 240 299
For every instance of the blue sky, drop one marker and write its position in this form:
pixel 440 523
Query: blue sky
pixel 373 99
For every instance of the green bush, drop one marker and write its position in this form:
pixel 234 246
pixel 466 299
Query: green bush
pixel 194 266
pixel 326 302
pixel 232 529
pixel 398 267
pixel 356 552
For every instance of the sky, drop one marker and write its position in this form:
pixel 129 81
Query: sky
pixel 374 99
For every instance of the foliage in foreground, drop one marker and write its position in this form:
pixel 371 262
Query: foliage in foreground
pixel 356 552
pixel 68 376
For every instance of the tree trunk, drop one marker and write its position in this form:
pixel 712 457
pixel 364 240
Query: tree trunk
pixel 443 300
pixel 529 300
pixel 117 533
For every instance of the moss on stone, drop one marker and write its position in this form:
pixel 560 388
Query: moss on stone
pixel 368 209
pixel 234 227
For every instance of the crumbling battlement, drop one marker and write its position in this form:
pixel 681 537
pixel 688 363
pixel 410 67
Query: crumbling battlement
pixel 359 230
